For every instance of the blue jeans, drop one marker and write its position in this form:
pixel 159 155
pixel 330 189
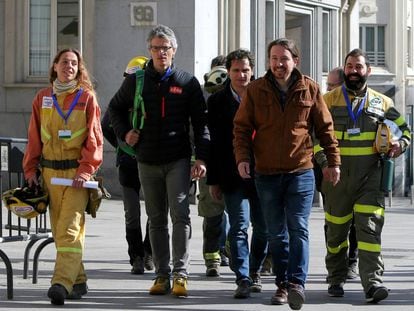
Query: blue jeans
pixel 238 208
pixel 287 202
pixel 167 187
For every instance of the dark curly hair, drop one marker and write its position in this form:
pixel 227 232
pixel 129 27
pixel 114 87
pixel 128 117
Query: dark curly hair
pixel 238 55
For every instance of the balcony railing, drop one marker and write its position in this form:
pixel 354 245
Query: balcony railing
pixel 376 58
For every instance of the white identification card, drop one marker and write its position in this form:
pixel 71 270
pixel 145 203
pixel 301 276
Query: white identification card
pixel 354 131
pixel 65 133
pixel 47 102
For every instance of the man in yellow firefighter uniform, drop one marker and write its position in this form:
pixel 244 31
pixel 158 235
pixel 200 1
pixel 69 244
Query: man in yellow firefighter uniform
pixel 65 140
pixel 358 111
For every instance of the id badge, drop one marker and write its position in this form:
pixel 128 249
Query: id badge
pixel 354 131
pixel 47 102
pixel 64 134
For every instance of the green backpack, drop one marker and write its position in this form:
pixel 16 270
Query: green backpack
pixel 138 106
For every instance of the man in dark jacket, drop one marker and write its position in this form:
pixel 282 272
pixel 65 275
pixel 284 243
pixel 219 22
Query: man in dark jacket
pixel 171 98
pixel 215 221
pixel 139 249
pixel 239 195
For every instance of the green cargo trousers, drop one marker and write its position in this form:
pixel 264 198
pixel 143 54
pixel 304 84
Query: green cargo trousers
pixel 357 195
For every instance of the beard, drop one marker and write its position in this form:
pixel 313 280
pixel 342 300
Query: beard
pixel 358 84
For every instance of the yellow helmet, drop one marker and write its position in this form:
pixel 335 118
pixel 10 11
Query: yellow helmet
pixel 26 202
pixel 383 138
pixel 96 196
pixel 137 62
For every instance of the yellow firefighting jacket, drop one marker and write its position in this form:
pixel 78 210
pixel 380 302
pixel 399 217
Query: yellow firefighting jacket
pixel 360 141
pixel 85 143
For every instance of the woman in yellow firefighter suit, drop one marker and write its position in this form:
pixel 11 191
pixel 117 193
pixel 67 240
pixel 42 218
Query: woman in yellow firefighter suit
pixel 65 140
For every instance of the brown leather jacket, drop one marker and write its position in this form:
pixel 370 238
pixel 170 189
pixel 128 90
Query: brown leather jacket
pixel 282 141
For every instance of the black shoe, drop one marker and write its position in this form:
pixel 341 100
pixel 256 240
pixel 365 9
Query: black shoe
pixel 256 286
pixel 336 290
pixel 376 293
pixel 224 260
pixel 57 294
pixel 138 266
pixel 78 291
pixel 296 296
pixel 243 289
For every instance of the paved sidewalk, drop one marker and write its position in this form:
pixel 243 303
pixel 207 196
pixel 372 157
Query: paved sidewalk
pixel 112 287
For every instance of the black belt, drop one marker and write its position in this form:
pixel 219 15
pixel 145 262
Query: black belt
pixel 59 164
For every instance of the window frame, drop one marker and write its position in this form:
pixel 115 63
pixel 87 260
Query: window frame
pixel 409 34
pixel 53 38
pixel 327 52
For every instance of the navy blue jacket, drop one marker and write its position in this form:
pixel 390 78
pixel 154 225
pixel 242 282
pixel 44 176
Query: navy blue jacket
pixel 221 166
pixel 170 105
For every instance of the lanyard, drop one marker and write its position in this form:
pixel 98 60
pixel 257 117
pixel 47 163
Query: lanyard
pixel 349 105
pixel 72 105
pixel 166 74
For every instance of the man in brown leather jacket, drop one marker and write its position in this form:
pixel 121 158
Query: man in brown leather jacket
pixel 277 115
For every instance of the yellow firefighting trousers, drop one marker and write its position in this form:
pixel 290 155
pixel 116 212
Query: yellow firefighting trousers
pixel 67 219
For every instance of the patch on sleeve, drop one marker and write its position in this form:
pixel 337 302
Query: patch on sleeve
pixel 375 106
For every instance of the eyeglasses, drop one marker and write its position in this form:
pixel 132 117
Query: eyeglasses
pixel 163 49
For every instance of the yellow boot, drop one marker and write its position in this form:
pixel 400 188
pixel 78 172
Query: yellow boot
pixel 161 286
pixel 179 286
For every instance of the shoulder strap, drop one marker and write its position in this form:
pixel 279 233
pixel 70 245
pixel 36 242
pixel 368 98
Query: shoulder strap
pixel 126 148
pixel 138 105
pixel 138 101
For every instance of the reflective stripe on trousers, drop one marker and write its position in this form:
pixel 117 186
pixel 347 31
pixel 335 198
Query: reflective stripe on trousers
pixel 357 196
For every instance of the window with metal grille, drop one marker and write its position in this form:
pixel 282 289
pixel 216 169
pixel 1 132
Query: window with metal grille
pixel 53 25
pixel 372 41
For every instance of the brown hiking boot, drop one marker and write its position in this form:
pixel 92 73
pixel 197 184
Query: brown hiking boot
pixel 296 296
pixel 281 296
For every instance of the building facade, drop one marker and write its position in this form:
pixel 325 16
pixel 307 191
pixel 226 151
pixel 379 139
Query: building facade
pixel 109 33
